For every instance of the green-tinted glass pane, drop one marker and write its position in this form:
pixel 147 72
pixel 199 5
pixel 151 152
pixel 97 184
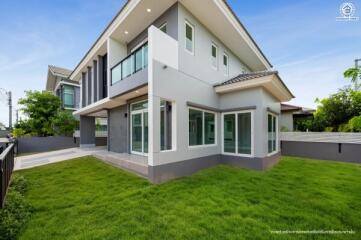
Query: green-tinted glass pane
pixel 209 128
pixel 145 123
pixel 274 134
pixel 137 132
pixel 139 59
pixel 189 38
pixel 269 133
pixel 164 28
pixel 195 127
pixel 244 133
pixel 229 133
pixel 117 74
pixel 145 50
pixel 214 51
pixel 139 105
pixel 162 132
pixel 225 60
pixel 68 96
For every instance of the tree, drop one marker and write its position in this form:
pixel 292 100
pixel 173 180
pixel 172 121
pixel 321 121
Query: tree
pixel 64 123
pixel 355 75
pixel 40 107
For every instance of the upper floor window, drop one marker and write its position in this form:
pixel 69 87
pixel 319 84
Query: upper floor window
pixel 225 64
pixel 68 96
pixel 163 28
pixel 189 37
pixel 214 56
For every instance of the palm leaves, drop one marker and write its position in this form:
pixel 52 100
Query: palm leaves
pixel 355 75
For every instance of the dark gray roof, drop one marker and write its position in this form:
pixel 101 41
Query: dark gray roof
pixel 60 71
pixel 246 76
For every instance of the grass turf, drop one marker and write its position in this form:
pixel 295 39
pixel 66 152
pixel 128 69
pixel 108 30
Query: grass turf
pixel 87 199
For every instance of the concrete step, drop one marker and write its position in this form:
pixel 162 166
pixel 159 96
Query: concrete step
pixel 119 160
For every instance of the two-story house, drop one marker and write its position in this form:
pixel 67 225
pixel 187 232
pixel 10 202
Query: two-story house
pixel 67 90
pixel 183 86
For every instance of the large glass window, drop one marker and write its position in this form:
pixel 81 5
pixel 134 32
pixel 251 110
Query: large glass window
pixel 244 133
pixel 68 96
pixel 229 133
pixel 214 56
pixel 202 127
pixel 189 31
pixel 237 133
pixel 272 133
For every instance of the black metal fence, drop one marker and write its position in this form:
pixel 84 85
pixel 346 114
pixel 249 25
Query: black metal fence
pixel 6 169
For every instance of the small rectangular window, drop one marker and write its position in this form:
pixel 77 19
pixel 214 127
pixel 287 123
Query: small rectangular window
pixel 272 133
pixel 214 56
pixel 165 125
pixel 163 28
pixel 225 64
pixel 189 37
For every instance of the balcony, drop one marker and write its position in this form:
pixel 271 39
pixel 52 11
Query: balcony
pixel 133 63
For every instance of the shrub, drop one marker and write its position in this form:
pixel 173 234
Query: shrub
pixel 16 211
pixel 355 124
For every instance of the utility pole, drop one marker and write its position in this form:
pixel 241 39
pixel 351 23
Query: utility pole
pixel 8 93
pixel 10 111
pixel 356 62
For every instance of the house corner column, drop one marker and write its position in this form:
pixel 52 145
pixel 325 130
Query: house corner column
pixel 87 131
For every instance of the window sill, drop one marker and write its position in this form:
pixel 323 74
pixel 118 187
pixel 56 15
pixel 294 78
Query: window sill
pixel 238 155
pixel 202 146
pixel 272 153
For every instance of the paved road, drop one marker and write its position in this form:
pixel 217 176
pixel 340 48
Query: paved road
pixel 39 159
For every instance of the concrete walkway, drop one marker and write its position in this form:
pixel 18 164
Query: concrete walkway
pixel 40 159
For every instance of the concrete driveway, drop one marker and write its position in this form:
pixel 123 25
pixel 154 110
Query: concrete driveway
pixel 44 158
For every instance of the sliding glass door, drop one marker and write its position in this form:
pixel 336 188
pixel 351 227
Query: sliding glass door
pixel 139 128
pixel 238 133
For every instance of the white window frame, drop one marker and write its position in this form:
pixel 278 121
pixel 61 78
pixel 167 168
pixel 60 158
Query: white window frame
pixel 185 37
pixel 162 26
pixel 215 67
pixel 139 111
pixel 203 129
pixel 276 139
pixel 225 68
pixel 236 133
pixel 173 125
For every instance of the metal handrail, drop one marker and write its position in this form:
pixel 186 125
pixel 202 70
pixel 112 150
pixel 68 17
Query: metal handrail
pixel 126 58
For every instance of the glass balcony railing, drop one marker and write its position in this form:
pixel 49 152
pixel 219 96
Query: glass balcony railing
pixel 133 63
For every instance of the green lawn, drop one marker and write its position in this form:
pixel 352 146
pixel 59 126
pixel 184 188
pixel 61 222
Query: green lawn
pixel 87 199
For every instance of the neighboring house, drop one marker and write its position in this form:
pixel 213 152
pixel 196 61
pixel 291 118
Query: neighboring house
pixel 290 114
pixel 67 90
pixel 184 86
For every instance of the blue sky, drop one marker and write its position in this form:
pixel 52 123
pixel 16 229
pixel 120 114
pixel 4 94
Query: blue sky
pixel 302 39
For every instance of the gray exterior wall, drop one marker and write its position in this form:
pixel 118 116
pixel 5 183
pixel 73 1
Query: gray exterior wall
pixel 286 121
pixel 343 152
pixel 199 65
pixel 87 131
pixel 118 129
pixel 170 17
